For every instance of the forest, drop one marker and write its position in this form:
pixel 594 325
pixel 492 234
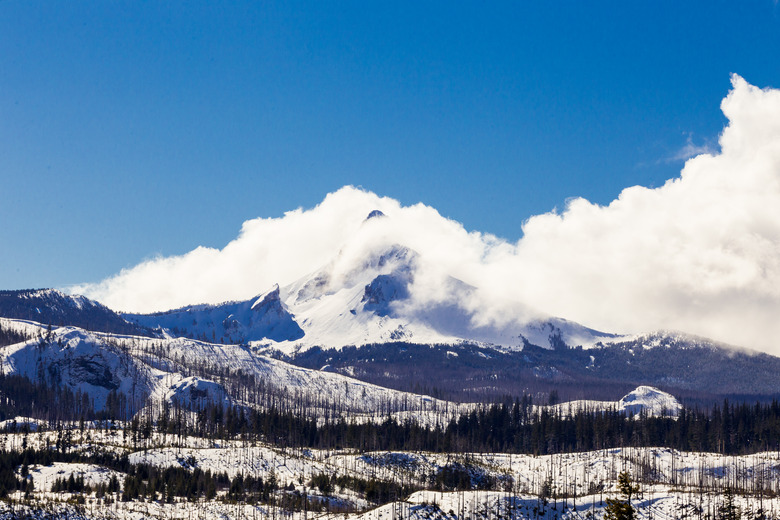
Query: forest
pixel 510 427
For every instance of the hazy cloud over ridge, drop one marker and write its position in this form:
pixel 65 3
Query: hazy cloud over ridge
pixel 700 253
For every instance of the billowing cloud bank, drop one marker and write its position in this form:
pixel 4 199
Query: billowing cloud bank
pixel 700 254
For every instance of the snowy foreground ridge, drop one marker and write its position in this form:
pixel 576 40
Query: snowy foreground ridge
pixel 673 484
pixel 154 371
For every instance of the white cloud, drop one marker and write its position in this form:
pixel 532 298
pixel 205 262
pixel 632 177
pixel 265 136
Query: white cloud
pixel 267 251
pixel 700 253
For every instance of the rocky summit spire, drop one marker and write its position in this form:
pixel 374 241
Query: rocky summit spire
pixel 375 213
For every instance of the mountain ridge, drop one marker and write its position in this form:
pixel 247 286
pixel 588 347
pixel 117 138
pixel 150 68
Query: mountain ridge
pixel 450 365
pixel 53 307
pixel 374 298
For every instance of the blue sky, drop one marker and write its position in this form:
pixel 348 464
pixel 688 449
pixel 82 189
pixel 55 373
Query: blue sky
pixel 129 129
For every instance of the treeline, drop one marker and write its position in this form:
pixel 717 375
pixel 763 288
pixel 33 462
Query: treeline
pixel 517 427
pixel 10 337
pixel 9 482
pixel 11 460
pixel 512 427
pixel 20 396
pixel 734 429
pixel 166 483
pixel 186 482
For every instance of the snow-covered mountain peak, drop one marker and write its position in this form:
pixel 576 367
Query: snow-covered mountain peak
pixel 377 289
pixel 262 317
pixel 385 259
pixel 375 214
pixel 350 269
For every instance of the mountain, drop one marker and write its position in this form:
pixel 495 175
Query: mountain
pixel 371 293
pixel 262 317
pixel 152 371
pixel 79 360
pixel 381 312
pixel 690 367
pixel 50 306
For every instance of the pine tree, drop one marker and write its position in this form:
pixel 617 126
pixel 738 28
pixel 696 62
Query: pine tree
pixel 729 510
pixel 618 509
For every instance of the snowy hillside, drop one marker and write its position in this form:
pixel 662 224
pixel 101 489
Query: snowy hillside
pixel 80 360
pixel 650 401
pixel 672 484
pixel 194 372
pixel 234 322
pixel 645 400
pixel 50 306
pixel 670 339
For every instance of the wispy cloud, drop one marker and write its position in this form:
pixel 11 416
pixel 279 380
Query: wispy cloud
pixel 690 150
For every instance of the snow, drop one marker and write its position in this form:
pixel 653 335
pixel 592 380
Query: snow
pixel 363 299
pixel 643 400
pixel 649 400
pixel 672 482
pixel 262 317
pixel 44 476
pixel 669 339
pixel 25 327
pixel 148 368
pixel 84 361
pixel 20 423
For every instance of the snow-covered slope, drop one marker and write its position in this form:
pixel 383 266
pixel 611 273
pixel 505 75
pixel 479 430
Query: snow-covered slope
pixel 80 360
pixel 193 372
pixel 644 400
pixel 668 339
pixel 50 306
pixel 650 401
pixel 673 484
pixel 263 317
pixel 376 301
pixel 373 291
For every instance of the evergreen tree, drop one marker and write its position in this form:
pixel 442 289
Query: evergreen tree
pixel 618 509
pixel 729 510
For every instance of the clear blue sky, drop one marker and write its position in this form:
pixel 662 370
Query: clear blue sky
pixel 134 128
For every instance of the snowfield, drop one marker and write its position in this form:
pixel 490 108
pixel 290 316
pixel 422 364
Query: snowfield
pixel 673 484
